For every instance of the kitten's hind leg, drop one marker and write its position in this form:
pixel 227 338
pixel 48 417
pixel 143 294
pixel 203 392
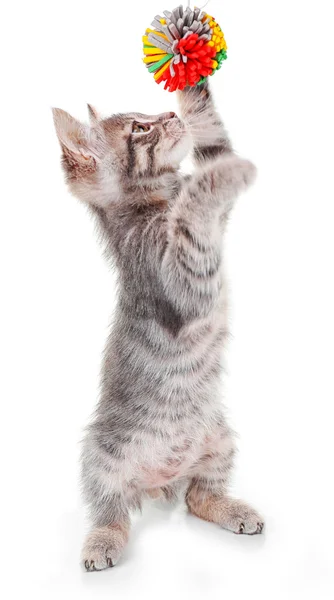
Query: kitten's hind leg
pixel 109 496
pixel 207 496
pixel 105 543
pixel 227 512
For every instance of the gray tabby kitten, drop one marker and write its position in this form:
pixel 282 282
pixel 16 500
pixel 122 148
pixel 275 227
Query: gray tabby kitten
pixel 159 423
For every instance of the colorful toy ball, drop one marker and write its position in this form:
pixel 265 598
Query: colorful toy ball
pixel 184 48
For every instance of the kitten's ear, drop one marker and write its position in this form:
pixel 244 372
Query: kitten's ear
pixel 94 116
pixel 74 136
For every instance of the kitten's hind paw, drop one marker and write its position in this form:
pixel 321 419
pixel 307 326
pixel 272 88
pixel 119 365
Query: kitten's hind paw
pixel 230 514
pixel 240 518
pixel 103 547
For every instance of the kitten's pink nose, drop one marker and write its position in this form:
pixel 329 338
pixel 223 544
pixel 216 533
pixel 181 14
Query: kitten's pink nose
pixel 169 115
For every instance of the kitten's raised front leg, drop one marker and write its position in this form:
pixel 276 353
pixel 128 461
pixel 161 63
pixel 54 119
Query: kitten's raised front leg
pixel 192 259
pixel 207 496
pixel 203 122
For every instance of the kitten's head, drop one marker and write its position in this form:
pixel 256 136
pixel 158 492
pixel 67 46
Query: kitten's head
pixel 123 151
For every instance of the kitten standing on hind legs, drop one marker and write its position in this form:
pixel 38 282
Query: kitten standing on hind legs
pixel 159 420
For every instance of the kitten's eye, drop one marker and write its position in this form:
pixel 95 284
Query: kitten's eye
pixel 140 128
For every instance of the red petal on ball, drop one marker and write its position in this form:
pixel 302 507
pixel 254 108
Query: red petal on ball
pixel 199 55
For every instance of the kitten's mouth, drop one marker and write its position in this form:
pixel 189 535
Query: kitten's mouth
pixel 175 142
pixel 175 129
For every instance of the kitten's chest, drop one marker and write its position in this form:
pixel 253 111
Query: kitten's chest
pixel 171 456
pixel 171 464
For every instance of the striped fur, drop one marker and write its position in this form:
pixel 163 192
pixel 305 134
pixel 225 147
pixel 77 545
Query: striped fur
pixel 159 423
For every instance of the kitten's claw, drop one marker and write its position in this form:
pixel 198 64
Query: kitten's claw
pixel 90 565
pixel 241 528
pixel 260 527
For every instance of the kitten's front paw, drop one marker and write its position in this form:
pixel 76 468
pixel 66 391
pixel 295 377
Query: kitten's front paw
pixel 193 100
pixel 103 548
pixel 239 171
pixel 248 171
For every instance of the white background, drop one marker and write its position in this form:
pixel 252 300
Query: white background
pixel 274 93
